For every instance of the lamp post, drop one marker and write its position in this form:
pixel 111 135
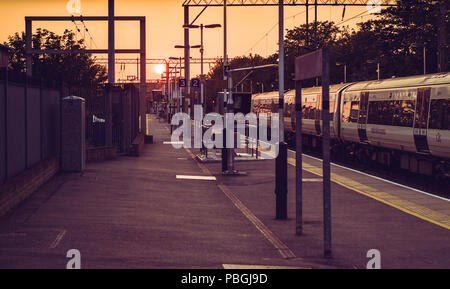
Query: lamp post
pixel 345 69
pixel 424 46
pixel 373 61
pixel 178 91
pixel 202 77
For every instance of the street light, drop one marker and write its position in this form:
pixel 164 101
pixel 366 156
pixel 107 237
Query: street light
pixel 424 46
pixel 202 77
pixel 178 91
pixel 345 69
pixel 373 61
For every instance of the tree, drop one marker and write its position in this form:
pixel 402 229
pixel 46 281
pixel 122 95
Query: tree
pixel 76 70
pixel 257 81
pixel 302 40
pixel 390 38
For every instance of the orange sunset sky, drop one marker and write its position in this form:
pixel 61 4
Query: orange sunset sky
pixel 250 30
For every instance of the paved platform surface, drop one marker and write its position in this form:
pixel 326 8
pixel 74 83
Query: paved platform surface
pixel 136 213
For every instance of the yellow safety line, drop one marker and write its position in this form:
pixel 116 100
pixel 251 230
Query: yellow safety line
pixel 284 251
pixel 411 208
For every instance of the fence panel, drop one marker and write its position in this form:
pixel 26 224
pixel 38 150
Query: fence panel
pixel 33 125
pixel 16 140
pixel 2 133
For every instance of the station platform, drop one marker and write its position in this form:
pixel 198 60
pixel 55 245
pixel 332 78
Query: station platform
pixel 165 209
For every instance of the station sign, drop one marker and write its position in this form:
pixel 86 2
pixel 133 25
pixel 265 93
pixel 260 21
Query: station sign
pixel 182 82
pixel 195 82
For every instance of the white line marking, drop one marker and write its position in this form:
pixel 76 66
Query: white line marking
pixel 312 180
pixel 173 142
pixel 378 178
pixel 202 178
pixel 182 159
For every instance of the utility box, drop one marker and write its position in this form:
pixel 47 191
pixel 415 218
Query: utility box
pixel 73 140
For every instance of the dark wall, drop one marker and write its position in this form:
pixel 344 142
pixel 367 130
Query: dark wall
pixel 16 129
pixel 33 132
pixel 2 133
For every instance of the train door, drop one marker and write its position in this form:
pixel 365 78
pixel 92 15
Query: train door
pixel 421 119
pixel 318 116
pixel 362 118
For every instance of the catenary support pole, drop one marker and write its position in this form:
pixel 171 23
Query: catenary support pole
pixel 326 153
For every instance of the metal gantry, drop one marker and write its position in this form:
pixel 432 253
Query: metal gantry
pixel 207 3
pixel 111 19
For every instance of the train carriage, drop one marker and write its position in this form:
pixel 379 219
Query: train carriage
pixel 407 117
pixel 405 120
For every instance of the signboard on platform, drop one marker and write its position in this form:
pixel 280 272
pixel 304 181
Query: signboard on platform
pixel 195 82
pixel 309 65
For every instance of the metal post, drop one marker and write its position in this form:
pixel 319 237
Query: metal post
pixel 298 159
pixel 6 121
pixel 307 22
pixel 179 98
pixel 143 84
pixel 202 93
pixel 281 160
pixel 424 59
pixel 167 81
pixel 108 115
pixel 442 37
pixel 111 43
pixel 326 153
pixel 281 69
pixel 187 50
pixel 315 26
pixel 230 109
pixel 28 37
pixel 111 74
pixel 345 73
pixel 26 93
pixel 378 70
pixel 225 151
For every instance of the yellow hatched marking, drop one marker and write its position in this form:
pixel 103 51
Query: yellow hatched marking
pixel 408 207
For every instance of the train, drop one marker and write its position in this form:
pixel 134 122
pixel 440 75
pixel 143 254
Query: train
pixel 402 122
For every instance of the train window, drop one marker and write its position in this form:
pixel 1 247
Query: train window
pixel 403 113
pixel 440 114
pixel 350 111
pixel 381 112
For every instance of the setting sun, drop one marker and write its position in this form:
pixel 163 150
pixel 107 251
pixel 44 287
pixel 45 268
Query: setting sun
pixel 160 68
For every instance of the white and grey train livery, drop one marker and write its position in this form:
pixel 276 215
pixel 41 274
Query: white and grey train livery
pixel 399 121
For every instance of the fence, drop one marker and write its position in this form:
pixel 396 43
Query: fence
pixel 125 111
pixel 29 126
pixel 125 116
pixel 30 121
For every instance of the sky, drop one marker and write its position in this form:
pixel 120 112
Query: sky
pixel 250 29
